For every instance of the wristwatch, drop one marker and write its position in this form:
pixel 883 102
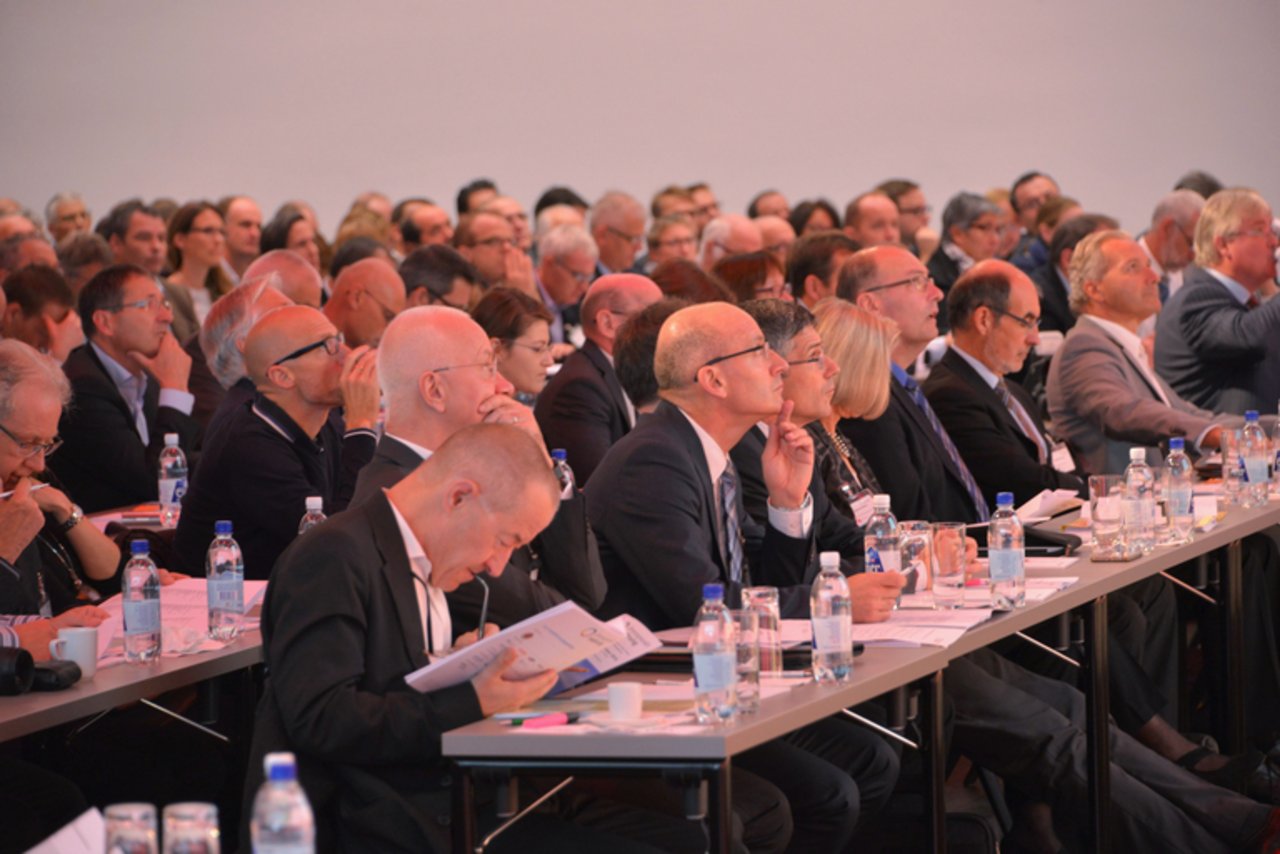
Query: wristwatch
pixel 74 519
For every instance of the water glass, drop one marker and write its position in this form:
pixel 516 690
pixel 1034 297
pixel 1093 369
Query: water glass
pixel 1233 486
pixel 191 828
pixel 131 829
pixel 948 564
pixel 747 621
pixel 1106 508
pixel 764 601
pixel 914 540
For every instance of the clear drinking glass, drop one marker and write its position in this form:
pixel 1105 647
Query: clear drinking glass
pixel 1106 508
pixel 948 564
pixel 191 828
pixel 915 542
pixel 764 601
pixel 748 622
pixel 131 829
pixel 1232 468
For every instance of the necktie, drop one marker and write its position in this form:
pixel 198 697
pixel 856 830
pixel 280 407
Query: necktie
pixel 1022 418
pixel 1163 286
pixel 732 524
pixel 970 485
pixel 1252 302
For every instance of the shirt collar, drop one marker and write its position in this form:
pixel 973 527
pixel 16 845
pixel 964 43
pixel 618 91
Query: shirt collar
pixel 1129 341
pixel 900 375
pixel 413 446
pixel 120 375
pixel 988 376
pixel 412 548
pixel 1239 291
pixel 717 459
pixel 279 420
pixel 955 253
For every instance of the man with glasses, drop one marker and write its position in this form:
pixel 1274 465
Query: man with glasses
pixel 486 239
pixel 130 387
pixel 1170 240
pixel 728 234
pixel 367 295
pixel 583 408
pixel 1218 339
pixel 285 443
pixel 567 259
pixel 616 224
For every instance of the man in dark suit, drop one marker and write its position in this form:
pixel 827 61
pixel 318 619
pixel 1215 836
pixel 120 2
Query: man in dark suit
pixel 908 449
pixel 1051 279
pixel 583 409
pixel 437 373
pixel 130 388
pixel 1217 342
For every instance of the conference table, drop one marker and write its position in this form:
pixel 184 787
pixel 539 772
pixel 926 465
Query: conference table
pixel 495 751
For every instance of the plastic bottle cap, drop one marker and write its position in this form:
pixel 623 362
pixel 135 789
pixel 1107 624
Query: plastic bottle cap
pixel 171 440
pixel 559 454
pixel 315 502
pixel 880 502
pixel 222 527
pixel 1251 415
pixel 1138 455
pixel 1004 499
pixel 1177 443
pixel 713 591
pixel 829 559
pixel 280 766
pixel 139 547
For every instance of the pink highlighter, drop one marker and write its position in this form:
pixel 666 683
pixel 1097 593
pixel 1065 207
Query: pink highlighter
pixel 543 721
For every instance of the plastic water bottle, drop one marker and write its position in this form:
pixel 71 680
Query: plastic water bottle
pixel 1275 458
pixel 1253 447
pixel 282 819
pixel 224 578
pixel 1140 501
pixel 140 592
pixel 715 659
pixel 881 544
pixel 560 461
pixel 314 515
pixel 1008 555
pixel 173 480
pixel 1178 492
pixel 831 613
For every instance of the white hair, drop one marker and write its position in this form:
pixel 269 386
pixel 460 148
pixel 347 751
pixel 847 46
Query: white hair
pixel 564 240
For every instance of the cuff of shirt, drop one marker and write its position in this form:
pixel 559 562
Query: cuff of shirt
pixel 1200 438
pixel 183 401
pixel 793 523
pixel 361 431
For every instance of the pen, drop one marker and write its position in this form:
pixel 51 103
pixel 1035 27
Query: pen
pixel 484 608
pixel 542 721
pixel 9 494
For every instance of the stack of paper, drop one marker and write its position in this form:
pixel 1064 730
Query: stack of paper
pixel 921 627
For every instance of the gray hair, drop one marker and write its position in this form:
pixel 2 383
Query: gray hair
pixel 564 240
pixel 714 236
pixel 1221 216
pixel 228 322
pixel 1183 205
pixel 11 249
pixel 963 211
pixel 23 363
pixel 77 251
pixel 51 209
pixel 1089 264
pixel 610 209
pixel 551 216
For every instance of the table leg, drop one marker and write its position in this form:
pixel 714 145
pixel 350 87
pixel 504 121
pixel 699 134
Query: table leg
pixel 719 815
pixel 464 810
pixel 933 743
pixel 1098 711
pixel 1233 625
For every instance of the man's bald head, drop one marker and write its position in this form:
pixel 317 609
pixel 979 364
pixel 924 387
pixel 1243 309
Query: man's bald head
pixel 423 339
pixel 280 332
pixel 16 223
pixel 494 456
pixel 610 300
pixel 366 297
pixel 692 337
pixel 298 279
pixel 728 234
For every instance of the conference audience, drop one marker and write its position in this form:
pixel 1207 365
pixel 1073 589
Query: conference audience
pixel 913 216
pixel 728 234
pixel 616 223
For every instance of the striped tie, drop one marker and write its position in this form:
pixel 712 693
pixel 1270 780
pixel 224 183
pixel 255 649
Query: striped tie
pixel 732 524
pixel 970 485
pixel 1022 418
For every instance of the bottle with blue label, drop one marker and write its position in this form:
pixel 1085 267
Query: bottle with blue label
pixel 831 613
pixel 564 472
pixel 1177 493
pixel 1007 553
pixel 224 579
pixel 140 595
pixel 715 659
pixel 172 484
pixel 1254 452
pixel 881 544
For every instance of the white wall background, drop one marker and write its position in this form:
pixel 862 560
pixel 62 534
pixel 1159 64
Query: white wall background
pixel 323 99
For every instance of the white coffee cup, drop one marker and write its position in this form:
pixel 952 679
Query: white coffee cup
pixel 78 644
pixel 626 699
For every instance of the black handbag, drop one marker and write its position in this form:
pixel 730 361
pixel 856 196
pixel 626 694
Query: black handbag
pixel 55 675
pixel 16 671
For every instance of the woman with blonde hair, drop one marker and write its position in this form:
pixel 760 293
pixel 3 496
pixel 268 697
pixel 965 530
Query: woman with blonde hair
pixel 859 342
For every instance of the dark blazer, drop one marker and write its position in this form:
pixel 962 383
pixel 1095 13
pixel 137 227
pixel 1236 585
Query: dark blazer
pixel 103 463
pixel 910 462
pixel 203 384
pixel 583 409
pixel 999 456
pixel 1055 309
pixel 835 532
pixel 1214 351
pixel 944 271
pixel 652 505
pixel 340 630
pixel 561 563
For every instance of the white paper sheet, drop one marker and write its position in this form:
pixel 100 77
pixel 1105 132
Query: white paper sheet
pixel 86 835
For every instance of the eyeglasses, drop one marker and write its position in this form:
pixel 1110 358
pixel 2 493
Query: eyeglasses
pixel 580 278
pixel 767 290
pixel 762 348
pixel 985 226
pixel 816 359
pixel 677 241
pixel 633 239
pixel 919 210
pixel 387 314
pixel 209 231
pixel 1266 234
pixel 920 283
pixel 1028 322
pixel 332 345
pixel 29 449
pixel 537 349
pixel 490 366
pixel 148 304
pixel 500 242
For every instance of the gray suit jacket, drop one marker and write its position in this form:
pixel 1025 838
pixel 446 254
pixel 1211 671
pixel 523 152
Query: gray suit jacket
pixel 1216 352
pixel 1102 404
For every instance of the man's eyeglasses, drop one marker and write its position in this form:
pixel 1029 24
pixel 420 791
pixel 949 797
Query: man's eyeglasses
pixel 1267 234
pixel 209 231
pixel 500 242
pixel 762 348
pixel 29 449
pixel 580 278
pixel 490 366
pixel 332 344
pixel 1028 322
pixel 148 304
pixel 387 314
pixel 920 282
pixel 922 210
pixel 633 239
pixel 816 359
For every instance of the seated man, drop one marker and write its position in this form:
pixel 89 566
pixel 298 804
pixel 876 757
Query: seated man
pixel 130 386
pixel 367 295
pixel 281 446
pixel 583 409
pixel 438 275
pixel 41 312
pixel 438 373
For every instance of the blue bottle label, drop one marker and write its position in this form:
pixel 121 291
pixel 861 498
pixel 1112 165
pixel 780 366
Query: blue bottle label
pixel 142 617
pixel 1006 564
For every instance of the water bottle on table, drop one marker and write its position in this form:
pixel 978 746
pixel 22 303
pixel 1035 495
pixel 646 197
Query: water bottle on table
pixel 1254 451
pixel 1177 493
pixel 1007 553
pixel 140 592
pixel 282 819
pixel 564 473
pixel 173 480
pixel 224 578
pixel 314 515
pixel 715 654
pixel 1140 501
pixel 831 613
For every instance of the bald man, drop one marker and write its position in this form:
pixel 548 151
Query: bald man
pixel 282 444
pixel 366 297
pixel 872 220
pixel 583 408
pixel 776 236
pixel 297 278
pixel 667 507
pixel 728 234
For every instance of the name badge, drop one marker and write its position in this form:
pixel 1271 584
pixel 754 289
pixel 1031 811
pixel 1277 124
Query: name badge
pixel 862 506
pixel 1062 459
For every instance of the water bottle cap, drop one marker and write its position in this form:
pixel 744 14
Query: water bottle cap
pixel 829 559
pixel 222 527
pixel 713 591
pixel 1138 455
pixel 139 547
pixel 171 440
pixel 1177 443
pixel 280 766
pixel 315 502
pixel 880 502
pixel 560 455
pixel 1004 499
pixel 1251 415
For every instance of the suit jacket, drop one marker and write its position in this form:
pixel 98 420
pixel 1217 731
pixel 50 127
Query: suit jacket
pixel 561 563
pixel 999 455
pixel 583 409
pixel 910 461
pixel 1216 352
pixel 340 630
pixel 103 463
pixel 203 384
pixel 1055 308
pixel 944 270
pixel 835 531
pixel 653 508
pixel 1102 404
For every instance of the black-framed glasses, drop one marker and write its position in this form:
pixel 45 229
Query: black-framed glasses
pixel 920 282
pixel 387 314
pixel 1029 322
pixel 762 347
pixel 209 231
pixel 490 366
pixel 501 242
pixel 580 278
pixel 332 344
pixel 148 304
pixel 633 239
pixel 28 448
pixel 816 359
